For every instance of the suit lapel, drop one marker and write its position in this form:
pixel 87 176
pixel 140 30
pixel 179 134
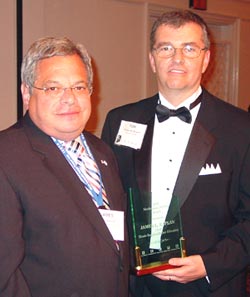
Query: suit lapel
pixel 74 189
pixel 79 194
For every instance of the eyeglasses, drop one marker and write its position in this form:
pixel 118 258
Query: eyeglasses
pixel 188 51
pixel 59 91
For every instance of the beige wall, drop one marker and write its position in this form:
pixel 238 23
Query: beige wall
pixel 8 110
pixel 115 33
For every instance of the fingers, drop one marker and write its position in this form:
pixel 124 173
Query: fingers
pixel 164 275
pixel 177 261
pixel 170 278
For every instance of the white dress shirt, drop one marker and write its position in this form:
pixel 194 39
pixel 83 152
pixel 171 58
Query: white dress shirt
pixel 170 140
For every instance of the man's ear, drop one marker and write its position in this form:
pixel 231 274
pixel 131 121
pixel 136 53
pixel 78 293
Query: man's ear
pixel 206 61
pixel 152 62
pixel 25 90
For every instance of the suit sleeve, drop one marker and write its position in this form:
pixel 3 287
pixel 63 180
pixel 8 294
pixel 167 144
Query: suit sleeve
pixel 12 282
pixel 232 253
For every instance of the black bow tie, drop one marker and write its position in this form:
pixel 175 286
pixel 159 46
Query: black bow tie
pixel 163 113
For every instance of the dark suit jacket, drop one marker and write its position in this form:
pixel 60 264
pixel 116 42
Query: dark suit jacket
pixel 215 208
pixel 53 241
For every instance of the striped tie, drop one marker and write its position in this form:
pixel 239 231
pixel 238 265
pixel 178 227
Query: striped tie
pixel 90 170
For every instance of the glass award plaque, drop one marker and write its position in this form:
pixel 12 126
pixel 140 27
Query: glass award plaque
pixel 156 230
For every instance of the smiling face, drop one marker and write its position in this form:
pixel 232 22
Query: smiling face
pixel 65 116
pixel 178 77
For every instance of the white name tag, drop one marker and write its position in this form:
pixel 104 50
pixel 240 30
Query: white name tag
pixel 130 134
pixel 115 222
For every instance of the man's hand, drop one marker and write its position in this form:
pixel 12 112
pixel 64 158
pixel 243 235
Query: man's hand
pixel 187 269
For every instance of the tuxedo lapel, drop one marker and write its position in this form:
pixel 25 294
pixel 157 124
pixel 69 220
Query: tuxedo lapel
pixel 142 157
pixel 143 160
pixel 199 146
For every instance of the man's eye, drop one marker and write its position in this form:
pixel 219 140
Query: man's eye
pixel 189 48
pixel 53 89
pixel 80 88
pixel 166 48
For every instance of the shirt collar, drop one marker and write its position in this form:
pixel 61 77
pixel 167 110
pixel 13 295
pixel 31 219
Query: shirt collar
pixel 185 103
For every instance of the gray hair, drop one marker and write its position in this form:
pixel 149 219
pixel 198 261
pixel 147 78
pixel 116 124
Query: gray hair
pixel 48 47
pixel 176 19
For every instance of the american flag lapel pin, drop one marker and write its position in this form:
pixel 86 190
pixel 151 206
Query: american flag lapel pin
pixel 104 162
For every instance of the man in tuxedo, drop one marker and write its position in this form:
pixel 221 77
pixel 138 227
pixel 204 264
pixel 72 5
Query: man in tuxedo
pixel 185 142
pixel 61 200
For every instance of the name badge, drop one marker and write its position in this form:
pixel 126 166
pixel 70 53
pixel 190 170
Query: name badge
pixel 115 222
pixel 130 134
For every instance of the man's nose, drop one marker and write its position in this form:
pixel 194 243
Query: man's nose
pixel 178 55
pixel 68 96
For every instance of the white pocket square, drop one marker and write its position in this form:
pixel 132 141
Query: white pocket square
pixel 210 169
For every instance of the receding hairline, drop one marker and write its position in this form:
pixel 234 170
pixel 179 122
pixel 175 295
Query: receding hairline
pixel 177 19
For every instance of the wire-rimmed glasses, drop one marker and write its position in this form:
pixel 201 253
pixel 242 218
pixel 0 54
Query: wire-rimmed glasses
pixel 189 51
pixel 58 91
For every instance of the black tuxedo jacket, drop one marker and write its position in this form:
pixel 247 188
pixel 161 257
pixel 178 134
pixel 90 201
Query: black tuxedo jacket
pixel 53 241
pixel 215 208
